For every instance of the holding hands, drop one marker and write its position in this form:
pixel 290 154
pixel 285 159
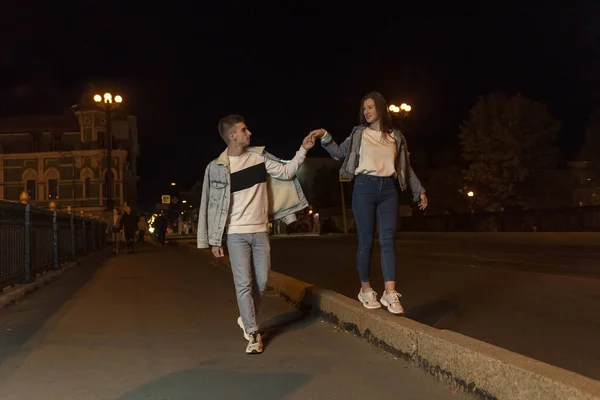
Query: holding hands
pixel 318 133
pixel 309 141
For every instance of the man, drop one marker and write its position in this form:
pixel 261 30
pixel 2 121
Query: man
pixel 113 229
pixel 129 224
pixel 160 228
pixel 241 189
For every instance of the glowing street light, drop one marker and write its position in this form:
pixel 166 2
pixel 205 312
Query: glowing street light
pixel 470 193
pixel 404 109
pixel 173 184
pixel 106 104
pixel 107 101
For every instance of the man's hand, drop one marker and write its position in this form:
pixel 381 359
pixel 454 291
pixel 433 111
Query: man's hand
pixel 217 251
pixel 308 142
pixel 317 133
pixel 423 202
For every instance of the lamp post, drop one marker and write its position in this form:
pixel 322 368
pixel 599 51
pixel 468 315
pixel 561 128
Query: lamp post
pixel 107 104
pixel 471 196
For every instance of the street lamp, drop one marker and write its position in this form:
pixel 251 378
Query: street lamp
pixel 471 195
pixel 108 104
pixel 403 110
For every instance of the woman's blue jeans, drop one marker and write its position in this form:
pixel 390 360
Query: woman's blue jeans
pixel 375 199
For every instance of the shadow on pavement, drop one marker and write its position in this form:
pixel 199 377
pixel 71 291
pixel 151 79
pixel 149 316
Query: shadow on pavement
pixel 285 322
pixel 19 322
pixel 215 384
pixel 431 313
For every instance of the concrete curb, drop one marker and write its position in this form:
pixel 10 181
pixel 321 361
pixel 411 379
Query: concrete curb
pixel 12 294
pixel 477 367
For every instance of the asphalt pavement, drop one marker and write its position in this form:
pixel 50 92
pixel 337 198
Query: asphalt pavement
pixel 161 324
pixel 535 295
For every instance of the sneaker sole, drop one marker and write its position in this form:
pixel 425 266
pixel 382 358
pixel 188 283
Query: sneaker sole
pixel 365 305
pixel 253 352
pixel 387 305
pixel 241 325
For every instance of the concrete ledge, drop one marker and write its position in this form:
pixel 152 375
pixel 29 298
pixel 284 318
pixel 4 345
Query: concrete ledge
pixel 477 367
pixel 12 294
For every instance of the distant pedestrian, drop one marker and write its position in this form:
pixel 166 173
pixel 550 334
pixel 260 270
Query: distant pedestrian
pixel 160 228
pixel 113 229
pixel 142 228
pixel 129 223
pixel 376 156
pixel 235 202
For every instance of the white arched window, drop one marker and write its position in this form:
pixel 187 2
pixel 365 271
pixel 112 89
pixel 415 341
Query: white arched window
pixel 52 177
pixel 87 175
pixel 29 179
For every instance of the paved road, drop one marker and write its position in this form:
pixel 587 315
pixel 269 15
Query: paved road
pixel 161 324
pixel 537 297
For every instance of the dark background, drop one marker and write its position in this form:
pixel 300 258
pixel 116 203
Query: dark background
pixel 290 69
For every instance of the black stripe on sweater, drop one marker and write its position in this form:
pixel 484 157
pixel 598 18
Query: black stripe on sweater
pixel 248 177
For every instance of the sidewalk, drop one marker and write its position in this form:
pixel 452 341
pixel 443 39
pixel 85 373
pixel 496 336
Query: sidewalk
pixel 161 324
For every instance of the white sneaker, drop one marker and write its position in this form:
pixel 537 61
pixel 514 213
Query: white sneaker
pixel 392 302
pixel 255 345
pixel 241 325
pixel 369 299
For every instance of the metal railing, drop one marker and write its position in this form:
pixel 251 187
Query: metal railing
pixel 579 219
pixel 33 240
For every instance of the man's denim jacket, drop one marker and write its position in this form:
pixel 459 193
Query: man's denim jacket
pixel 285 199
pixel 349 150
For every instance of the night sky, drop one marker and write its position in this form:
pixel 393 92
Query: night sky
pixel 288 71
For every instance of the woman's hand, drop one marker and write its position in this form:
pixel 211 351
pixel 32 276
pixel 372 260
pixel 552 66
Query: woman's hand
pixel 423 201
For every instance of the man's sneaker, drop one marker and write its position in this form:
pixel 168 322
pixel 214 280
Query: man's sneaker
pixel 392 302
pixel 241 325
pixel 369 299
pixel 255 345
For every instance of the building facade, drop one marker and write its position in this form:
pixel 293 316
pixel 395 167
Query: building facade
pixel 62 158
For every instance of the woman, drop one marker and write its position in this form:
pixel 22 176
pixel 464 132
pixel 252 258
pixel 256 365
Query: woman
pixel 375 155
pixel 113 229
pixel 142 228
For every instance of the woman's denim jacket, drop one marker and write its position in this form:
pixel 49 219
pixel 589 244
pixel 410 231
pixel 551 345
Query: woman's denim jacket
pixel 349 150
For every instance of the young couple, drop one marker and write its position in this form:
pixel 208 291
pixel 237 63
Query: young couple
pixel 245 186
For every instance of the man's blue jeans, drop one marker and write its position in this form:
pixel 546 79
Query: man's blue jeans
pixel 250 256
pixel 375 199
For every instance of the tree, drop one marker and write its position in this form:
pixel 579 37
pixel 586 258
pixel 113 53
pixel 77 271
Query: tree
pixel 504 141
pixel 590 150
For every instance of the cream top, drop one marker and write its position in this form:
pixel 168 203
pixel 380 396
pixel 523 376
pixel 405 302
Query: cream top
pixel 377 156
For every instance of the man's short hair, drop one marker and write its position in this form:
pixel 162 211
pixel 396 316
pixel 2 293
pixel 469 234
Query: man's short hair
pixel 226 125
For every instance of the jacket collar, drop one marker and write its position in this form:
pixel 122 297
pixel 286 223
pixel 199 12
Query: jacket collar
pixel 224 159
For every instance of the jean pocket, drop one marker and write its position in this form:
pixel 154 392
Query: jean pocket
pixel 361 179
